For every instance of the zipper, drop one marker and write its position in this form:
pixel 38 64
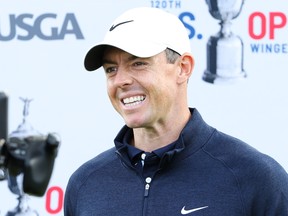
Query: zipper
pixel 147 185
pixel 148 181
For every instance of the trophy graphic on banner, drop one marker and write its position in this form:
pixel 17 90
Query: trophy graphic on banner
pixel 26 159
pixel 15 180
pixel 225 49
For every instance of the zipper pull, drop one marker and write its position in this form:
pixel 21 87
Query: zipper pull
pixel 143 156
pixel 147 186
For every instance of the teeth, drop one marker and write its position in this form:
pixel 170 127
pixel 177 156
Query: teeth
pixel 133 100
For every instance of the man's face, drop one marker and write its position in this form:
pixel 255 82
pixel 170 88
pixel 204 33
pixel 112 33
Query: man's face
pixel 142 90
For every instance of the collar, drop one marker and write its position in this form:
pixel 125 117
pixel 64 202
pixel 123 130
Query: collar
pixel 193 136
pixel 135 153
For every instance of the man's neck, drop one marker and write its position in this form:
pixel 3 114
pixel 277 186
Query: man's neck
pixel 150 139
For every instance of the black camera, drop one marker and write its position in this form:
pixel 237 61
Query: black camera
pixel 30 156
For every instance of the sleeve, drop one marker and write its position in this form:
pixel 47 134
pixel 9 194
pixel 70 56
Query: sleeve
pixel 70 200
pixel 274 204
pixel 270 194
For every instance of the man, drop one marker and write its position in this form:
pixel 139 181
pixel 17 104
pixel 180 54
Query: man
pixel 166 160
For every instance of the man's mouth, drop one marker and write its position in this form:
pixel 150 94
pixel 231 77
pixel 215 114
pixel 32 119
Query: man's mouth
pixel 132 101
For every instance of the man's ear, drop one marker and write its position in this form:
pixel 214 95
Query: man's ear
pixel 186 65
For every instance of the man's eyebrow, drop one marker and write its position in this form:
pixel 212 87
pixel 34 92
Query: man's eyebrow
pixel 109 61
pixel 132 57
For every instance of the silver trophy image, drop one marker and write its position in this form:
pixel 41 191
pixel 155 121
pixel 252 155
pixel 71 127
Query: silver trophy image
pixel 15 181
pixel 29 161
pixel 27 158
pixel 225 49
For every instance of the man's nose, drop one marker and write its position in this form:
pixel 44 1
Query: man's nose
pixel 123 77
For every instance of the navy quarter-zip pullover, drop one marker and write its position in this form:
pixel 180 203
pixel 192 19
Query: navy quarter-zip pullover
pixel 207 173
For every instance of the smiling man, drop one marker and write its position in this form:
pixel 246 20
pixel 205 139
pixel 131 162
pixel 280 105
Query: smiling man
pixel 148 94
pixel 166 159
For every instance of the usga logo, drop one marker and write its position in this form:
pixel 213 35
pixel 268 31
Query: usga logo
pixel 25 26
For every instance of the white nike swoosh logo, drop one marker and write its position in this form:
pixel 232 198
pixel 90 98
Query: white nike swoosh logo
pixel 184 211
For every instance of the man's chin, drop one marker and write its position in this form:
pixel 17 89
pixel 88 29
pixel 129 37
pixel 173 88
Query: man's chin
pixel 134 123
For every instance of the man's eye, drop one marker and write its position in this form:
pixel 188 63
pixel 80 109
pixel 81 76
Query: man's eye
pixel 110 69
pixel 139 64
